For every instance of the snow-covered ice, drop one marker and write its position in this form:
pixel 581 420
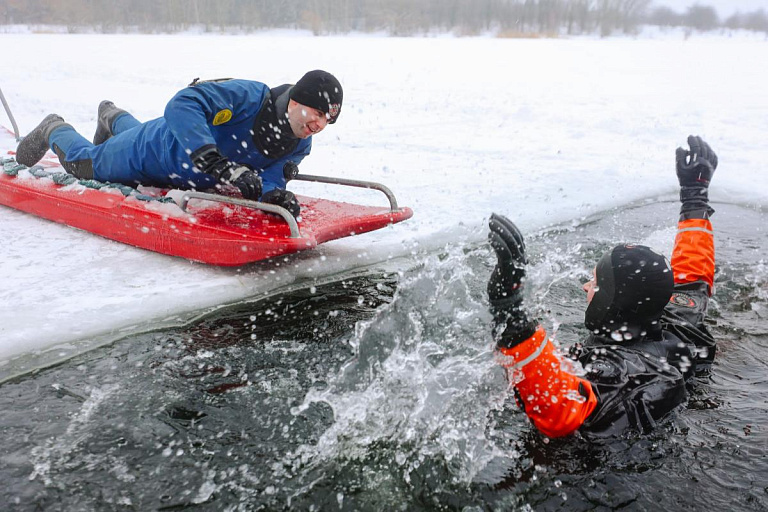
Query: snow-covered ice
pixel 543 131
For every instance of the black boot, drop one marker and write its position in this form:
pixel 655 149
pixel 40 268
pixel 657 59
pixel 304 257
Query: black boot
pixel 32 148
pixel 108 112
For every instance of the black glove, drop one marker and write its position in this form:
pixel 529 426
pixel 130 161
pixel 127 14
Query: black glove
pixel 290 171
pixel 210 161
pixel 695 169
pixel 283 198
pixel 249 183
pixel 505 285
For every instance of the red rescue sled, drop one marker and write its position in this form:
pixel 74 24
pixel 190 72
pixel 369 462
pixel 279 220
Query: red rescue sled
pixel 209 228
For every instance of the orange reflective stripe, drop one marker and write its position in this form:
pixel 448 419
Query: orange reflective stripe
pixel 693 258
pixel 547 387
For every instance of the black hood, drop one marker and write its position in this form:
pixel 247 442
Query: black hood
pixel 634 285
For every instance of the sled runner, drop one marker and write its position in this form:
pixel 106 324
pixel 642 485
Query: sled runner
pixel 209 228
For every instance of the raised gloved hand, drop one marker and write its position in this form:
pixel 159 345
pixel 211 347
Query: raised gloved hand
pixel 210 161
pixel 283 198
pixel 695 168
pixel 505 285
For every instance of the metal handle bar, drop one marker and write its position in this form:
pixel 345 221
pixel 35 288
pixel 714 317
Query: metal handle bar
pixel 271 208
pixel 10 116
pixel 352 183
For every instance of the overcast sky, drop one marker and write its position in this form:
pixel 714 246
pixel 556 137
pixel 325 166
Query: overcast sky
pixel 724 7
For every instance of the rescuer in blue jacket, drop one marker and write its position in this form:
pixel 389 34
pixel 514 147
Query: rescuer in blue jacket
pixel 228 131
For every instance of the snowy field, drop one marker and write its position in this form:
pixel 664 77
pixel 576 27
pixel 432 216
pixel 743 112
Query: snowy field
pixel 543 131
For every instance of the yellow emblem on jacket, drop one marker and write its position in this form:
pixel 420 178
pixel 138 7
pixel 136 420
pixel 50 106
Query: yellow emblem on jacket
pixel 222 116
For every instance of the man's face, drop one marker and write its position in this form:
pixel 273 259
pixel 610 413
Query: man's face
pixel 591 287
pixel 305 121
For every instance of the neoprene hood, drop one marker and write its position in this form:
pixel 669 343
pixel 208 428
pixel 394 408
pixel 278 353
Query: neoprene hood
pixel 634 285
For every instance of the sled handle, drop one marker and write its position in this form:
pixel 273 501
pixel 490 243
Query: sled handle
pixel 271 208
pixel 10 116
pixel 352 183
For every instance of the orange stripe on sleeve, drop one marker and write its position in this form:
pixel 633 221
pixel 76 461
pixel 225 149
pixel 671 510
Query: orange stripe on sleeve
pixel 557 401
pixel 693 258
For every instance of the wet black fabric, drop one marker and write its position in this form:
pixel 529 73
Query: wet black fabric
pixel 513 324
pixel 638 381
pixel 634 391
pixel 695 203
pixel 634 284
pixel 678 352
pixel 684 317
pixel 683 341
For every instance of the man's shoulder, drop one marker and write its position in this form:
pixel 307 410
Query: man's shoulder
pixel 251 85
pixel 236 84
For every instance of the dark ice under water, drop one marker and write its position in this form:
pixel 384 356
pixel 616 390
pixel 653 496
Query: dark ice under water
pixel 380 392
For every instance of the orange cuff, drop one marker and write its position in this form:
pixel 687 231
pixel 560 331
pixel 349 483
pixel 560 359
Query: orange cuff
pixel 557 401
pixel 693 258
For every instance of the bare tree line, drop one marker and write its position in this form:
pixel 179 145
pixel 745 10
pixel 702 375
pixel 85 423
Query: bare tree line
pixel 398 17
pixel 702 17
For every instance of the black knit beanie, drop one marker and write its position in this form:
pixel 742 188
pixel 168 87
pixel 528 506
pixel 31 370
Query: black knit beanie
pixel 319 89
pixel 634 285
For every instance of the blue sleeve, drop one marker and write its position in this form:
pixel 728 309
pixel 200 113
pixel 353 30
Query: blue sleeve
pixel 191 112
pixel 272 176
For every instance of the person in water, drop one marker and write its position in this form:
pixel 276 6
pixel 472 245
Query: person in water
pixel 646 321
pixel 213 133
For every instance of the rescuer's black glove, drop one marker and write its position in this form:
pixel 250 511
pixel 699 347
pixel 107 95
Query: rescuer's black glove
pixel 505 285
pixel 283 198
pixel 249 183
pixel 210 161
pixel 695 169
pixel 290 171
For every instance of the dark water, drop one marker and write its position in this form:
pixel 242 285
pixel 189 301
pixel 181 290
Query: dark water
pixel 380 392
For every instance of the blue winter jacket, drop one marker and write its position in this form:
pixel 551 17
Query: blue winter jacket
pixel 158 152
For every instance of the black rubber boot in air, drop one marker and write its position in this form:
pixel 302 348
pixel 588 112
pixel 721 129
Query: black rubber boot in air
pixel 108 112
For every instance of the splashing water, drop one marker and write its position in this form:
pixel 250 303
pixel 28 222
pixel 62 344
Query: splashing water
pixel 423 378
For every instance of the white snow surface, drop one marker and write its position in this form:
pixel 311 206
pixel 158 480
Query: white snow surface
pixel 543 131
